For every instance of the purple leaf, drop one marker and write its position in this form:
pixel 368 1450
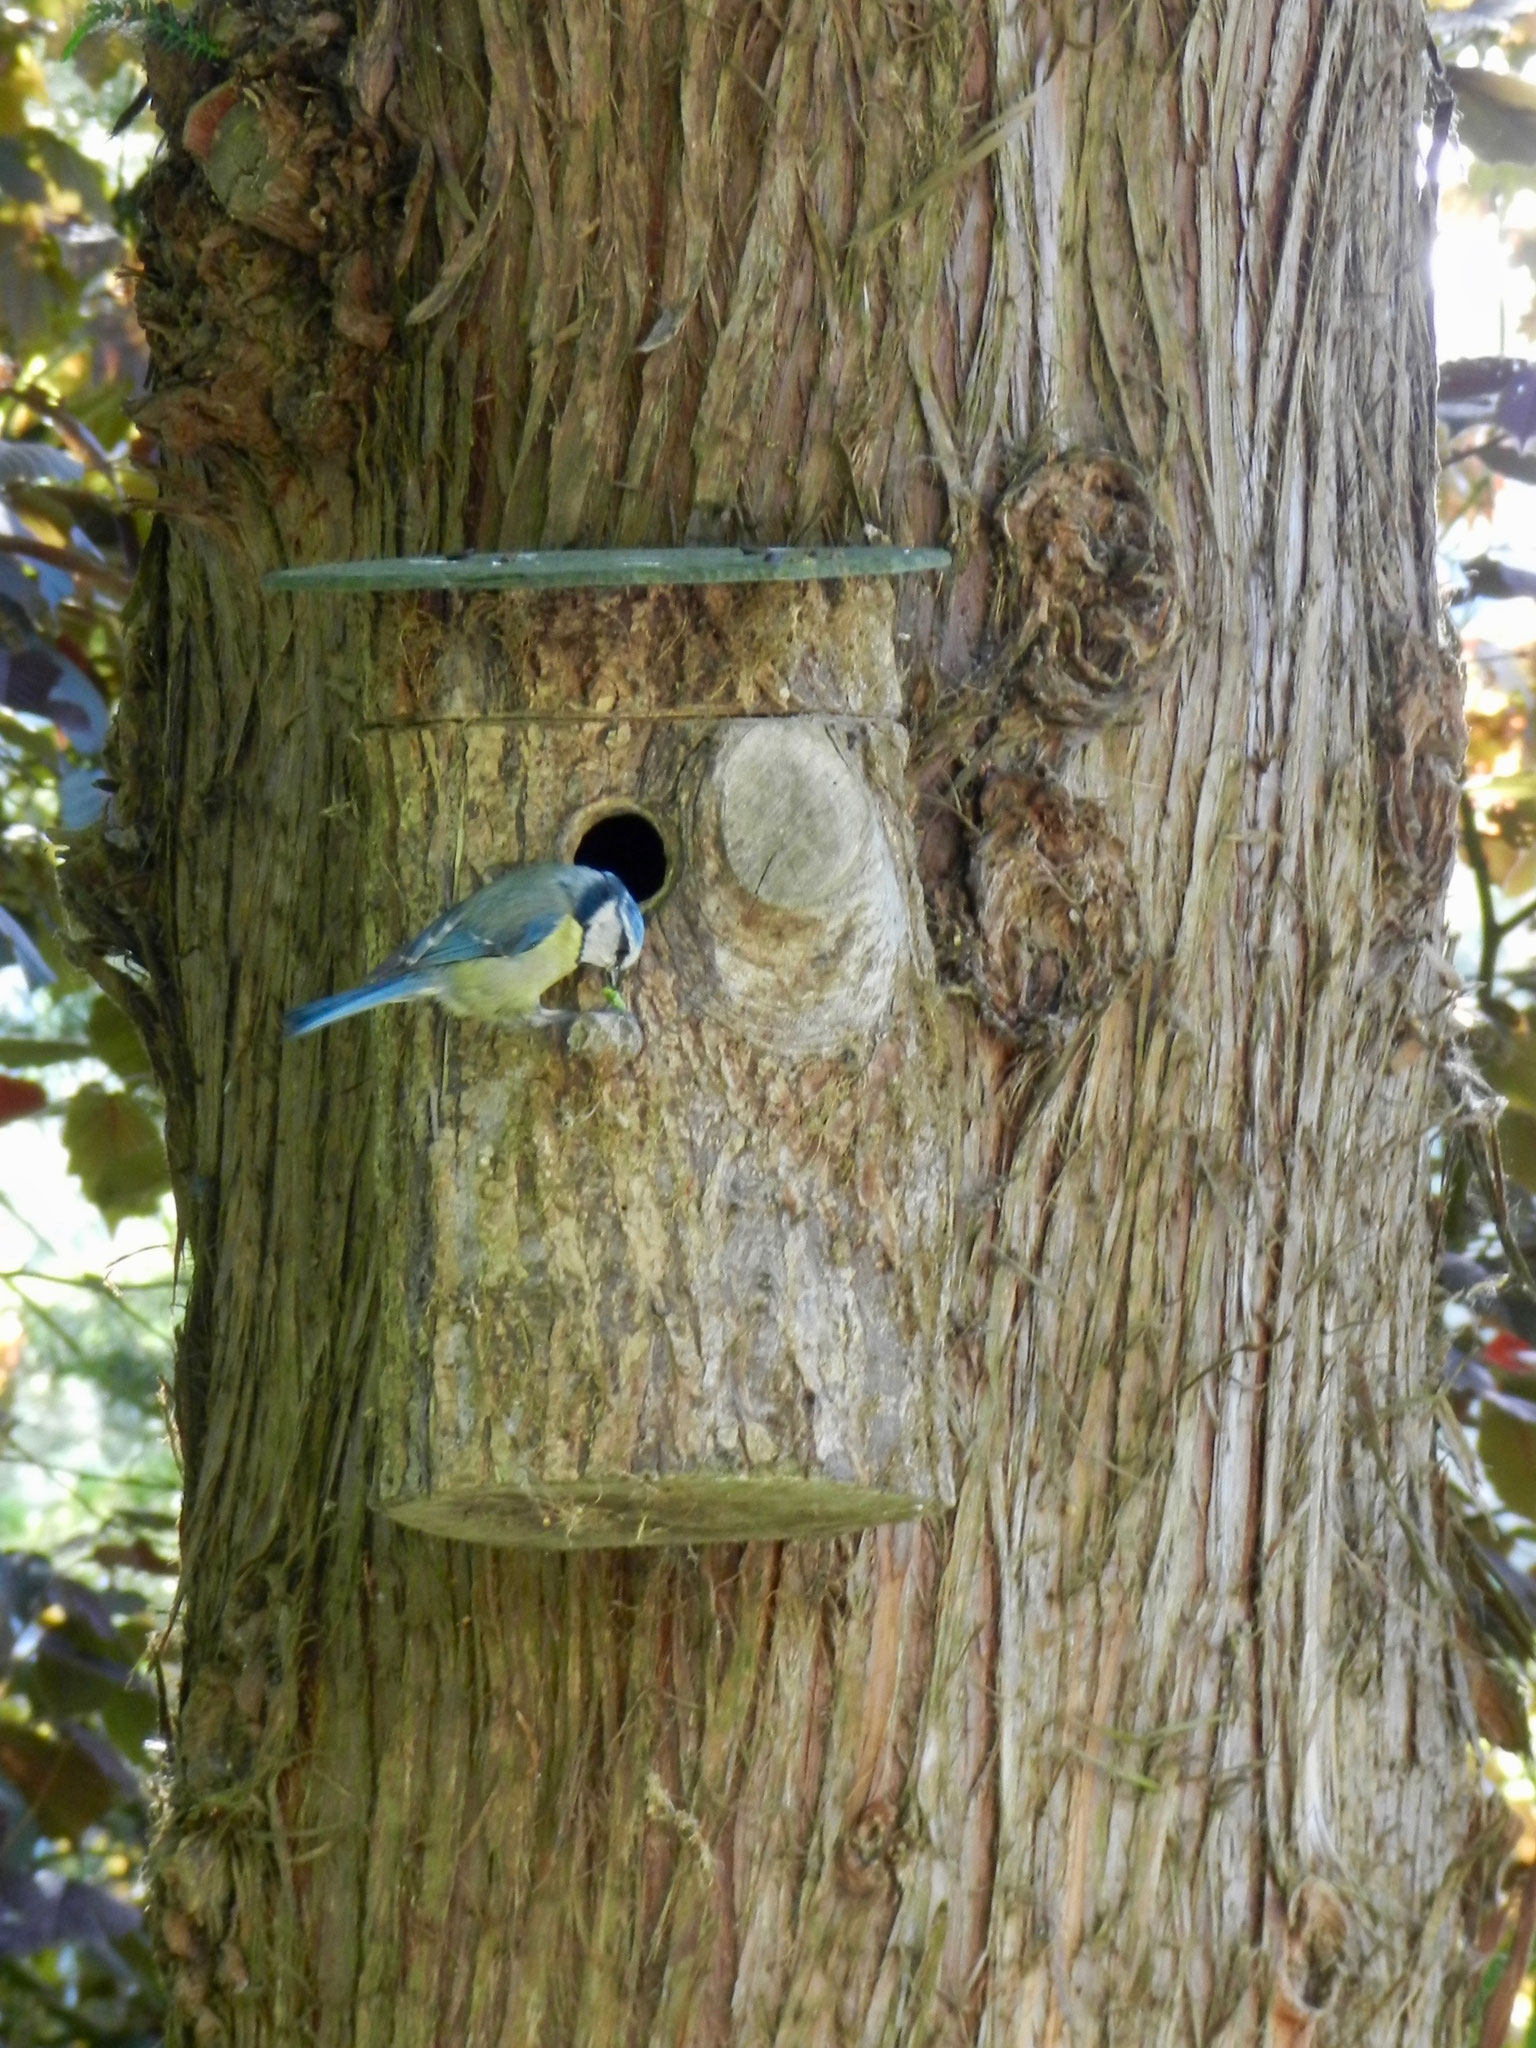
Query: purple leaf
pixel 1516 412
pixel 39 679
pixel 1487 576
pixel 79 710
pixel 57 586
pixel 1523 1411
pixel 1472 386
pixel 40 1909
pixel 17 587
pixel 32 964
pixel 82 797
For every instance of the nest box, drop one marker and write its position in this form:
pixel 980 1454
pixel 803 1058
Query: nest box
pixel 690 1288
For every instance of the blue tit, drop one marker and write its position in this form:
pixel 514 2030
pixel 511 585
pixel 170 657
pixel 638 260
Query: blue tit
pixel 493 955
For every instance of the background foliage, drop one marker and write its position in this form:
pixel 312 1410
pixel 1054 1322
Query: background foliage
pixel 88 1492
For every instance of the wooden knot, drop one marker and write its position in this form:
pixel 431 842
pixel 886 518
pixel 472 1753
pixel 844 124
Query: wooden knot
pixel 1311 1946
pixel 1421 742
pixel 1056 915
pixel 1087 594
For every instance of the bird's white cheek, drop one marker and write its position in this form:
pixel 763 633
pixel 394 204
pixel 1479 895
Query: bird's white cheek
pixel 602 942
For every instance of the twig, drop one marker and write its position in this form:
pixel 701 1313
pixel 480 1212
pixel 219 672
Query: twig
pixel 72 560
pixel 71 430
pixel 1478 863
pixel 1496 2013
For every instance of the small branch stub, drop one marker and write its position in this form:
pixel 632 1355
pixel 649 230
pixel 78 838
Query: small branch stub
pixel 692 1292
pixel 1055 912
pixel 1421 736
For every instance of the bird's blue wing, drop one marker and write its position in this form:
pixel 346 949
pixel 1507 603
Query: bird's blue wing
pixel 464 941
pixel 507 916
pixel 445 938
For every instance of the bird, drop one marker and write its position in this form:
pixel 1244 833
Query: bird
pixel 493 955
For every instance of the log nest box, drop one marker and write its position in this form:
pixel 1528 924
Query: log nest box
pixel 692 1289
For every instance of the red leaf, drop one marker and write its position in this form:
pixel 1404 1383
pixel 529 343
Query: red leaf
pixel 140 1555
pixel 20 1098
pixel 1505 1352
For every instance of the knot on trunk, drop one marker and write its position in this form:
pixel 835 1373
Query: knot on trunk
pixel 867 1851
pixel 1056 919
pixel 1422 739
pixel 266 261
pixel 263 155
pixel 194 1916
pixel 1087 597
pixel 1312 1948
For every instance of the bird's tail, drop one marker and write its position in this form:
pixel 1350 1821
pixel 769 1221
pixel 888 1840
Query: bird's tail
pixel 331 1009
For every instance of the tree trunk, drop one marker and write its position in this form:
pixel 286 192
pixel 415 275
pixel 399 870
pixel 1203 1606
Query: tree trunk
pixel 1158 1734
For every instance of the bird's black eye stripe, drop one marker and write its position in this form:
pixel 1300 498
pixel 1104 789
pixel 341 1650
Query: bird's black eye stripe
pixel 592 901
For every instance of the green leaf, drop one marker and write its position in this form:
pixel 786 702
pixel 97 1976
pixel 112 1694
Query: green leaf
pixel 1507 1448
pixel 116 1150
pixel 70 172
pixel 41 1052
pixel 1508 1058
pixel 64 1682
pixel 116 1043
pixel 1519 787
pixel 41 301
pixel 1497 181
pixel 157 21
pixel 19 179
pixel 1517 1145
pixel 1495 115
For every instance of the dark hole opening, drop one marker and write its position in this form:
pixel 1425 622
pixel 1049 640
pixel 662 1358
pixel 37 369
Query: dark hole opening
pixel 628 845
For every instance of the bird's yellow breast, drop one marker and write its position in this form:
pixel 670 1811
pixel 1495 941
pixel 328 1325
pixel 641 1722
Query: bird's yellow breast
pixel 512 986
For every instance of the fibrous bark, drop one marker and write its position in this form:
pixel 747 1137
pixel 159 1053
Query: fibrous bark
pixel 1158 1736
